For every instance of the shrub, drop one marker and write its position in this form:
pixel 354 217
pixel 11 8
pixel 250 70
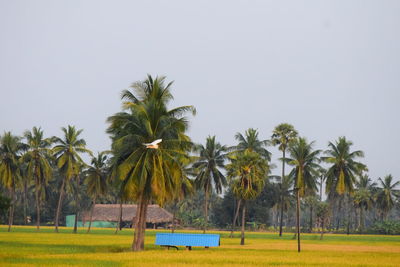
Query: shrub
pixel 385 227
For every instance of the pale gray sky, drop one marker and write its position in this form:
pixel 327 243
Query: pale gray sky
pixel 330 68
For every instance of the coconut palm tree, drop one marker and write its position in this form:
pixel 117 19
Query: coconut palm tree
pixel 10 153
pixel 340 177
pixel 364 197
pixel 250 141
pixel 68 160
pixel 96 180
pixel 387 194
pixel 208 166
pixel 248 171
pixel 149 174
pixel 304 160
pixel 282 135
pixel 38 167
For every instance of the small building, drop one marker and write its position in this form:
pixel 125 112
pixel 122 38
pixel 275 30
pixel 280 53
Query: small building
pixel 107 215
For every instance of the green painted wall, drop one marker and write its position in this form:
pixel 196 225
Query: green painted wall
pixel 70 220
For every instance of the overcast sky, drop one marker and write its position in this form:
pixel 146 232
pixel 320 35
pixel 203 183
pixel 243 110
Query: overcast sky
pixel 330 68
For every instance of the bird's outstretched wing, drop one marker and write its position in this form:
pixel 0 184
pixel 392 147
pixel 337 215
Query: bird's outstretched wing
pixel 155 142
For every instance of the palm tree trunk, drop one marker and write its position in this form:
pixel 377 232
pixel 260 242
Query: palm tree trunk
pixel 298 219
pixel 11 211
pixel 320 190
pixel 140 225
pixel 362 219
pixel 283 175
pixel 91 214
pixel 77 205
pixel 338 213
pixel 311 218
pixel 235 217
pixel 119 224
pixel 59 205
pixel 322 228
pixel 37 208
pixel 348 215
pixel 206 209
pixel 243 223
pixel 25 201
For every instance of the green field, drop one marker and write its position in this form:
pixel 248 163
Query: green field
pixel 25 247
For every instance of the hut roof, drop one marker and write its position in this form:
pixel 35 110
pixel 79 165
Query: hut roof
pixel 110 213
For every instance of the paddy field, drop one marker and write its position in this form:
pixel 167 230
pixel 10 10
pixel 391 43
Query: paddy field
pixel 24 246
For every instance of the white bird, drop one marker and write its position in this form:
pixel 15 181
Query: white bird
pixel 153 144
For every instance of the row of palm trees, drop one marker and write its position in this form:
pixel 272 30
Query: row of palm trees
pixel 33 161
pixel 163 175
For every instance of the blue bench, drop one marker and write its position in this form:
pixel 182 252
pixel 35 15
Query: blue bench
pixel 187 240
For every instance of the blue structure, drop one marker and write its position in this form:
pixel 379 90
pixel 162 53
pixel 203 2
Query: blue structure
pixel 187 240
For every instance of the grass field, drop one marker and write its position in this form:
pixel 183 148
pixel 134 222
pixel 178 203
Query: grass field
pixel 25 247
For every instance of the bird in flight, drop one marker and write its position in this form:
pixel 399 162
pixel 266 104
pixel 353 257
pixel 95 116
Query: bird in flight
pixel 153 144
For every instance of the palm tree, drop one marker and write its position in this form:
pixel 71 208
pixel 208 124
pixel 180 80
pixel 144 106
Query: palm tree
pixel 10 150
pixel 248 171
pixel 341 176
pixel 250 141
pixel 282 135
pixel 387 194
pixel 363 197
pixel 38 166
pixel 304 160
pixel 208 166
pixel 148 173
pixel 96 180
pixel 68 160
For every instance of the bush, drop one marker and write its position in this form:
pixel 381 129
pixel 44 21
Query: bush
pixel 385 227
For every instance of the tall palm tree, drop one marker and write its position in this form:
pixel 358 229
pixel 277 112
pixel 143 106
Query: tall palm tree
pixel 10 152
pixel 364 197
pixel 282 135
pixel 208 166
pixel 248 171
pixel 340 177
pixel 249 142
pixel 68 160
pixel 96 180
pixel 387 194
pixel 149 174
pixel 304 160
pixel 38 166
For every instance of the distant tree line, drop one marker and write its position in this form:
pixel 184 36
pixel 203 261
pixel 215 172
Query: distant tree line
pixel 203 185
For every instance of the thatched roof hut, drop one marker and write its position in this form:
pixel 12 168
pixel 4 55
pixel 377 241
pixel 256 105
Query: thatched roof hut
pixel 110 213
